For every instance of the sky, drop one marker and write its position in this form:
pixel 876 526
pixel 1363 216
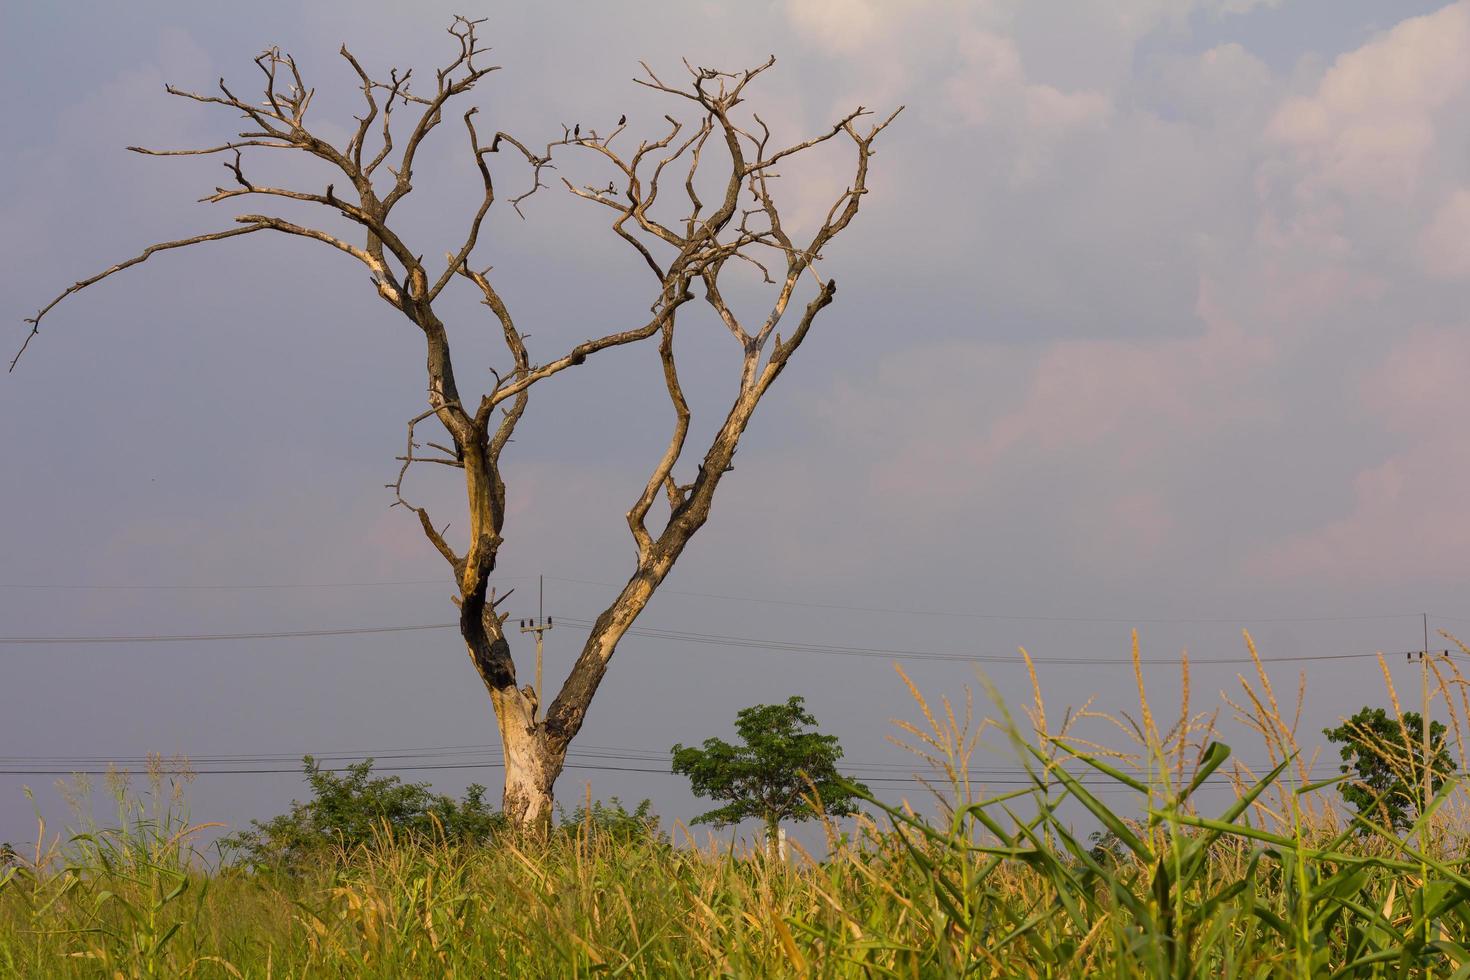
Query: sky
pixel 1155 318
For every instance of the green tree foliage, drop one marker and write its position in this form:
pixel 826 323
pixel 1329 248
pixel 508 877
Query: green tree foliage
pixel 1388 768
pixel 615 821
pixel 772 775
pixel 349 809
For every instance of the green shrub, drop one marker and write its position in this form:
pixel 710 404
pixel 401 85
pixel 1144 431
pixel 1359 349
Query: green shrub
pixel 354 808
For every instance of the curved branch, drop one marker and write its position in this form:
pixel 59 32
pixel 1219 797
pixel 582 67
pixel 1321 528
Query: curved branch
pixel 662 476
pixel 582 351
pixel 76 287
pixel 435 536
pixel 271 144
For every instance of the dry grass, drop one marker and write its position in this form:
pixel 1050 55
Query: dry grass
pixel 1274 880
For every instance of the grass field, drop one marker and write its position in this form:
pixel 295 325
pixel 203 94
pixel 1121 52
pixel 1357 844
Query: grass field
pixel 1276 880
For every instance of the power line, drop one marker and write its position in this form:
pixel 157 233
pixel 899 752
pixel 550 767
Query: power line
pixel 241 771
pixel 102 766
pixel 240 763
pixel 685 636
pixel 1103 786
pixel 211 637
pixel 800 604
pixel 240 587
pixel 589 758
pixel 901 611
pixel 423 751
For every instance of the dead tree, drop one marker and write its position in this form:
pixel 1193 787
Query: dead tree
pixel 690 252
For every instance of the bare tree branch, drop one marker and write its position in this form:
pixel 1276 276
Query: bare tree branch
pixel 435 536
pixel 76 287
pixel 238 144
pixel 692 241
pixel 709 240
pixel 662 475
pixel 579 354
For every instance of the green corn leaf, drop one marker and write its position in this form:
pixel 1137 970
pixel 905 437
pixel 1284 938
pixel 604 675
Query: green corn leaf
pixel 1450 785
pixel 1102 767
pixel 1103 814
pixel 1215 755
pixel 168 934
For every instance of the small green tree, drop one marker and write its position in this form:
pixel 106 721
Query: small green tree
pixel 613 821
pixel 1389 768
pixel 349 809
pixel 773 775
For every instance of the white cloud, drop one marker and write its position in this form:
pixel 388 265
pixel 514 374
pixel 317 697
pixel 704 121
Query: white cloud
pixel 1407 519
pixel 1304 211
pixel 1371 123
pixel 991 87
pixel 845 26
pixel 1223 86
pixel 1444 246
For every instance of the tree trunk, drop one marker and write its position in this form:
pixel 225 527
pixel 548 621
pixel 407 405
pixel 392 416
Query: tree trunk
pixel 531 764
pixel 773 839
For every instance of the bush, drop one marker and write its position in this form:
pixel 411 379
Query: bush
pixel 613 820
pixel 350 809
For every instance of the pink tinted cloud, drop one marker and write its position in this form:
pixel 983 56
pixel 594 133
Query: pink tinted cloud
pixel 1408 519
pixel 1371 124
pixel 1444 246
pixel 1123 400
pixel 1140 523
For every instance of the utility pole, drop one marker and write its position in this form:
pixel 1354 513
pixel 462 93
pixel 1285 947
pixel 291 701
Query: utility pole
pixel 538 626
pixel 1424 722
pixel 1426 761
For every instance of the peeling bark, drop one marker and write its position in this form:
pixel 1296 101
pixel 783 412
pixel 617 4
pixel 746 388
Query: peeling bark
pixel 531 767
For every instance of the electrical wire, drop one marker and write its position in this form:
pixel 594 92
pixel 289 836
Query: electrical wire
pixel 794 603
pixel 578 759
pixel 1104 786
pixel 686 636
pixel 241 587
pixel 1017 617
pixel 788 646
pixel 214 637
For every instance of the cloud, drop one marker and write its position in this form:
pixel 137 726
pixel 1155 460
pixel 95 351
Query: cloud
pixel 87 137
pixel 1371 123
pixel 1444 246
pixel 845 26
pixel 991 86
pixel 1081 442
pixel 984 79
pixel 1289 216
pixel 1407 520
pixel 1365 217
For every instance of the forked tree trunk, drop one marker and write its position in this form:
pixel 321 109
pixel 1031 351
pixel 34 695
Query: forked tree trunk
pixel 536 751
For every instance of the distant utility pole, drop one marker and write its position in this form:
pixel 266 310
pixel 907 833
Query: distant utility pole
pixel 1426 761
pixel 538 626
